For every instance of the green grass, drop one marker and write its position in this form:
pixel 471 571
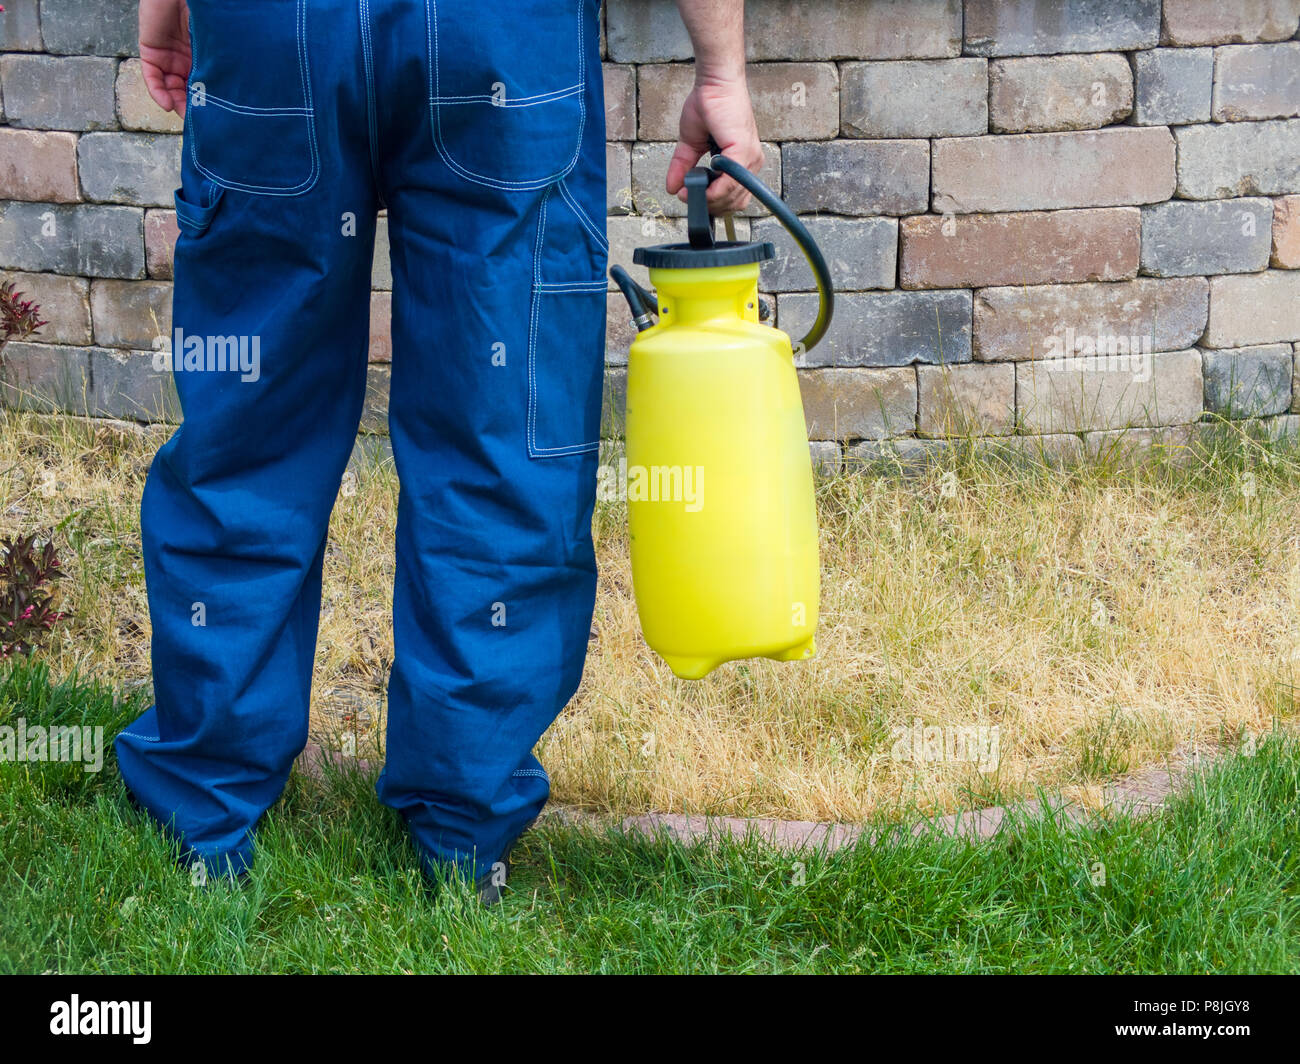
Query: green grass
pixel 86 886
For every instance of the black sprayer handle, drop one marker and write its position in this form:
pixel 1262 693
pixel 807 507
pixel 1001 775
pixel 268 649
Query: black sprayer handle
pixel 699 226
pixel 721 164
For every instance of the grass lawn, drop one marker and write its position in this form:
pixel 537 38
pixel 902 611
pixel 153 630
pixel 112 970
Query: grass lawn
pixel 85 886
pixel 1101 618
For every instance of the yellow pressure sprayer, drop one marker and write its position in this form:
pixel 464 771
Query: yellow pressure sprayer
pixel 719 479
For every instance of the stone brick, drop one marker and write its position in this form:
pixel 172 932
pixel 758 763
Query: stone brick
pixel 1254 308
pixel 38 166
pixel 1039 94
pixel 138 168
pixel 855 404
pixel 1253 81
pixel 1184 237
pixel 82 239
pixel 613 404
pixel 1217 22
pixel 381 270
pixel 64 304
pixel 1027 323
pixel 619 330
pixel 160 233
pixel 1045 27
pixel 20 26
pixel 651 31
pixel 1174 86
pixel 861 252
pixel 1073 395
pixel 130 385
pixel 911 455
pixel 135 107
pixel 858 177
pixel 970 399
pixel 923 98
pixel 650 167
pixel 1238 159
pixel 1248 381
pixel 827 460
pixel 883 328
pixel 620 101
pixel 42 92
pixel 792 101
pixel 374 407
pixel 1286 233
pixel 1282 429
pixel 381 326
pixel 1133 445
pixel 1032 247
pixel 1042 171
pixel 618 178
pixel 45 377
pixel 906 455
pixel 381 338
pixel 90 27
pixel 1295 379
pixel 133 314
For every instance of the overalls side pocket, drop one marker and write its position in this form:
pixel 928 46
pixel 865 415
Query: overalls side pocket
pixel 566 334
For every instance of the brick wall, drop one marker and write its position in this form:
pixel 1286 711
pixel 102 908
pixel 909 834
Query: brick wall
pixel 1051 221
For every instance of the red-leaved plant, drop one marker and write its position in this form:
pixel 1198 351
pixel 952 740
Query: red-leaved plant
pixel 19 317
pixel 27 611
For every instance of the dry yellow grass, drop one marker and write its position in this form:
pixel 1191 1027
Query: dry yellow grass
pixel 1098 618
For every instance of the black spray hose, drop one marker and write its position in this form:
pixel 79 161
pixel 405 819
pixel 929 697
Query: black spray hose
pixel 821 271
pixel 643 304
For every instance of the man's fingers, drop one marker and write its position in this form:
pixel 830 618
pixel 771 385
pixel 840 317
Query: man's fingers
pixel 684 158
pixel 725 195
pixel 166 90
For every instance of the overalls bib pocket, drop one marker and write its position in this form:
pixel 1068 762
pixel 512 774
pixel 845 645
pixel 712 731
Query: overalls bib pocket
pixel 249 120
pixel 507 89
pixel 566 333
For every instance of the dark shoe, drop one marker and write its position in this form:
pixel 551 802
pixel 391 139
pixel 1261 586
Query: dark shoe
pixel 488 886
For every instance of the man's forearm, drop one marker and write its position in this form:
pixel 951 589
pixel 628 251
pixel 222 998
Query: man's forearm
pixel 717 29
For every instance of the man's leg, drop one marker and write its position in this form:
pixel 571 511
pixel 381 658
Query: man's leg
pixel 276 211
pixel 496 221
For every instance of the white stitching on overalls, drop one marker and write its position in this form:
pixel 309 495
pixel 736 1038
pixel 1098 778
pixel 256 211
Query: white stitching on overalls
pixel 534 326
pixel 513 101
pixel 583 217
pixel 531 772
pixel 368 61
pixel 435 86
pixel 309 112
pixel 137 735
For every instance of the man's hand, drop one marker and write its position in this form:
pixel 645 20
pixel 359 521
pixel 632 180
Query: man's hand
pixel 723 110
pixel 719 103
pixel 165 51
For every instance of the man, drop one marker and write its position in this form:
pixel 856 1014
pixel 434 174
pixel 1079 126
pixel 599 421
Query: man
pixel 480 128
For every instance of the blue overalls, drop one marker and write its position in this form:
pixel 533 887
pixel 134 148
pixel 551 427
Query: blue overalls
pixel 481 128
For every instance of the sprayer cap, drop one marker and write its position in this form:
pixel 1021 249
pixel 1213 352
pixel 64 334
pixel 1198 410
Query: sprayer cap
pixel 685 257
